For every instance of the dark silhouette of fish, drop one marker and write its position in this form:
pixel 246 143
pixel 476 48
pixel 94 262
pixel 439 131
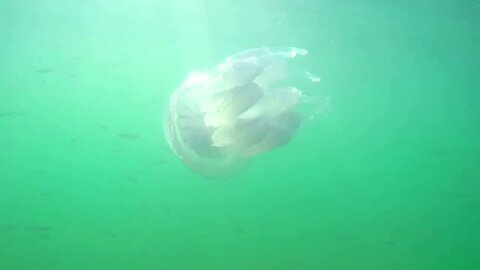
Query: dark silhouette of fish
pixel 44 70
pixel 115 64
pixel 9 227
pixel 39 171
pixel 165 207
pixel 6 114
pixel 40 228
pixel 110 234
pixel 129 136
pixel 100 126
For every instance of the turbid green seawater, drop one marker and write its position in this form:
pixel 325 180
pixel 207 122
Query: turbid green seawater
pixel 388 179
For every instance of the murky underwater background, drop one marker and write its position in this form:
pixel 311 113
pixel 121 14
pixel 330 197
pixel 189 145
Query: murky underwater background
pixel 389 179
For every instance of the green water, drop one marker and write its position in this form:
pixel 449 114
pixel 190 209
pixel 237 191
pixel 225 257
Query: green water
pixel 389 179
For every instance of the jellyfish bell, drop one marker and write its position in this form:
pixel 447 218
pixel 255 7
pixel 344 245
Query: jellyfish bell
pixel 219 119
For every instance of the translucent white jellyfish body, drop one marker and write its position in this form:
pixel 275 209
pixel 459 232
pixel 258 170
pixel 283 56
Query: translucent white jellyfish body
pixel 219 119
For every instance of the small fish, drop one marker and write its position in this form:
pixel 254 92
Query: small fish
pixel 5 114
pixel 39 171
pixel 165 207
pixel 458 195
pixel 133 179
pixel 156 162
pixel 44 70
pixel 472 206
pixel 128 136
pixel 438 152
pixel 239 230
pixel 110 234
pixel 100 126
pixel 114 64
pixel 40 228
pixel 9 227
pixel 390 243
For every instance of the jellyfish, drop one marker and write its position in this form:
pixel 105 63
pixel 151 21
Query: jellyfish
pixel 218 120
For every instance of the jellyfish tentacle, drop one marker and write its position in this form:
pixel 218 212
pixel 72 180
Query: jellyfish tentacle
pixel 290 52
pixel 312 77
